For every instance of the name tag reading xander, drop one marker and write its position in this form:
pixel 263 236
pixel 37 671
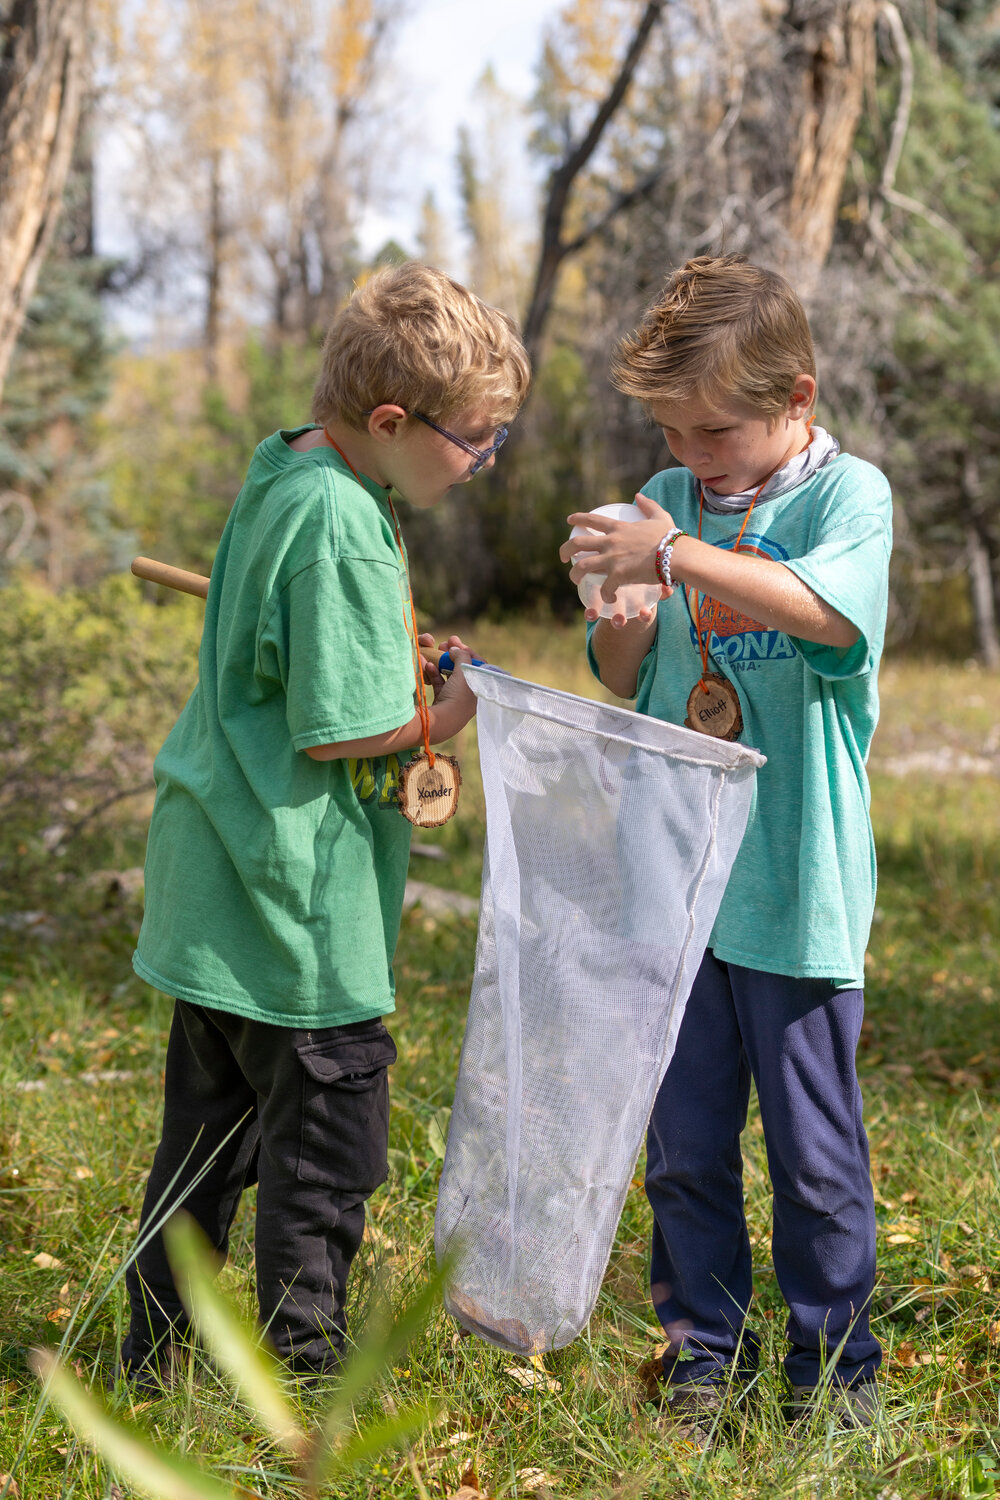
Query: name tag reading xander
pixel 428 794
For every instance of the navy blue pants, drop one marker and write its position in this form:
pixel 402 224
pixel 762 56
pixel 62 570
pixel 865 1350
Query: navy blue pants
pixel 797 1038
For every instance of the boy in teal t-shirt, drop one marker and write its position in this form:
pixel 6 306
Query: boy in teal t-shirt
pixel 277 853
pixel 771 549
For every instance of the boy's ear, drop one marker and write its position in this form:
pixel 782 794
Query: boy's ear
pixel 386 421
pixel 803 397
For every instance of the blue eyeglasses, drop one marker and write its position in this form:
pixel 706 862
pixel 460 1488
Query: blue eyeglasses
pixel 481 455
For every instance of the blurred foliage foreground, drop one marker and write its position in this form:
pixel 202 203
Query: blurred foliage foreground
pixel 91 681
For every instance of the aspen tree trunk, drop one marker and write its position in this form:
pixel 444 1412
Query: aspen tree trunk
pixel 983 598
pixel 830 48
pixel 213 275
pixel 42 71
pixel 982 591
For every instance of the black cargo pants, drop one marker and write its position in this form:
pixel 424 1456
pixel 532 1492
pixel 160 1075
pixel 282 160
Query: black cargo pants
pixel 305 1114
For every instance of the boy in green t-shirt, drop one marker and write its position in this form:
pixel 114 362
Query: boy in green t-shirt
pixel 771 548
pixel 277 853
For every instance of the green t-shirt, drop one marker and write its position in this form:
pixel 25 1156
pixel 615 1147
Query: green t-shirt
pixel 274 882
pixel 802 890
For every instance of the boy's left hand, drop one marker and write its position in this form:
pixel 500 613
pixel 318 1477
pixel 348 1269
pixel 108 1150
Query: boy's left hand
pixel 624 550
pixel 432 674
pixel 429 664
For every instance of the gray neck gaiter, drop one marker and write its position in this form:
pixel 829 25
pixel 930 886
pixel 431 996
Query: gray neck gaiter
pixel 819 452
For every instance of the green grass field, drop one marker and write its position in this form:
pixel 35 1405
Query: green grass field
pixel 78 1122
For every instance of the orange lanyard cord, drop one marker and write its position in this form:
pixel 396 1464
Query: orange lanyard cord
pixel 422 709
pixel 705 637
pixel 704 631
pixel 411 622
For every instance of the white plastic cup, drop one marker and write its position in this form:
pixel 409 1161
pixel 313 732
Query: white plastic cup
pixel 632 596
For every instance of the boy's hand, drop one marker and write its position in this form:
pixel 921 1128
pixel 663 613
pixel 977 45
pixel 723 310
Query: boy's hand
pixel 459 653
pixel 624 550
pixel 454 701
pixel 454 687
pixel 618 622
pixel 429 664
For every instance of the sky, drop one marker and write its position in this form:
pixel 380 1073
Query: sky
pixel 441 51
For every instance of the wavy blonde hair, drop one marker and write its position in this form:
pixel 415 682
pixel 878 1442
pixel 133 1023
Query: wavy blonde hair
pixel 721 328
pixel 414 337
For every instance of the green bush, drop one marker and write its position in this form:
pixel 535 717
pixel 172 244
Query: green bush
pixel 91 680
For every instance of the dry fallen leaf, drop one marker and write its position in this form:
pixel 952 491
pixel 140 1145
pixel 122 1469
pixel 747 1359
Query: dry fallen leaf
pixel 45 1262
pixel 12 1490
pixel 650 1373
pixel 899 1239
pixel 469 1488
pixel 532 1378
pixel 535 1479
pixel 82 1173
pixel 58 1315
pixel 978 1275
pixel 443 1450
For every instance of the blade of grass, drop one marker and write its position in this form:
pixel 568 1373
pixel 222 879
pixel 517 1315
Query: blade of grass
pixel 253 1370
pixel 382 1341
pixel 371 1441
pixel 163 1476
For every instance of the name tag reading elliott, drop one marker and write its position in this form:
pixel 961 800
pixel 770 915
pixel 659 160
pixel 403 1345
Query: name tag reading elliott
pixel 428 794
pixel 713 708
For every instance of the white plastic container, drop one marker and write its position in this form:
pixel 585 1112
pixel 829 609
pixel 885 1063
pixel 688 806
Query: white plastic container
pixel 633 596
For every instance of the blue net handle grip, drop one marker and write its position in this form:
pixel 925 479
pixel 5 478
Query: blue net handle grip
pixel 445 663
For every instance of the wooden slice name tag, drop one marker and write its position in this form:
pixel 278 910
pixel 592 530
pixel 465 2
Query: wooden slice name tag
pixel 716 712
pixel 428 794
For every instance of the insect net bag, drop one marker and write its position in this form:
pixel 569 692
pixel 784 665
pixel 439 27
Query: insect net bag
pixel 610 837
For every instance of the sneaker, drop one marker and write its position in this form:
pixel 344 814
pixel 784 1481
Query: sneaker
pixel 853 1406
pixel 692 1414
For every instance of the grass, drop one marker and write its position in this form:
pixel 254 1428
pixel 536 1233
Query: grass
pixel 79 1114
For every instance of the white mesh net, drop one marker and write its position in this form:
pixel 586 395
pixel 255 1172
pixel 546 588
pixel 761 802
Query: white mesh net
pixel 610 837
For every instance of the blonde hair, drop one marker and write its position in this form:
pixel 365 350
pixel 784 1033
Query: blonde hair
pixel 721 328
pixel 413 337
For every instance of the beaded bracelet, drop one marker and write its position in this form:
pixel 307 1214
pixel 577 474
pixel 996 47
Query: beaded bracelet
pixel 664 552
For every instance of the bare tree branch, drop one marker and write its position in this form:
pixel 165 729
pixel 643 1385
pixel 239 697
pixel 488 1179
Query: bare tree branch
pixel 554 248
pixel 901 121
pixel 618 205
pixel 9 499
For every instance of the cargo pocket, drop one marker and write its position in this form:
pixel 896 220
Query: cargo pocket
pixel 345 1110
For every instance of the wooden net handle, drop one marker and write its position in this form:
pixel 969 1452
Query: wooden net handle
pixel 172 578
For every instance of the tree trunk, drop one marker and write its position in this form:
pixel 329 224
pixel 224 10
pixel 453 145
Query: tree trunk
pixel 983 600
pixel 831 51
pixel 42 70
pixel 981 586
pixel 213 270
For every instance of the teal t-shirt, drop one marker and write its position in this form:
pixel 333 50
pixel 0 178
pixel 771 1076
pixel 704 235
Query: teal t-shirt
pixel 802 890
pixel 274 882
